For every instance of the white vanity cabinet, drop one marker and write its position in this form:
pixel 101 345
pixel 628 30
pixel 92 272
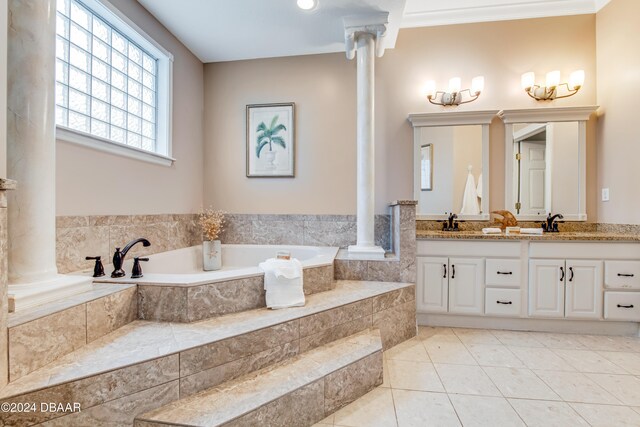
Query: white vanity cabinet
pixel 453 285
pixel 565 288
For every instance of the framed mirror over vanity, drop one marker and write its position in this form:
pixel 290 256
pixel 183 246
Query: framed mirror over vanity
pixel 545 162
pixel 451 164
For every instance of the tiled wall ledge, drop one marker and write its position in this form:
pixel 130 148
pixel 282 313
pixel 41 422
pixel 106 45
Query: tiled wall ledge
pixel 400 265
pixel 41 335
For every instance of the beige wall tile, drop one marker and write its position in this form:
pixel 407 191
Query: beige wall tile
pixel 396 324
pixel 218 353
pixel 34 344
pixel 164 303
pixel 107 314
pixel 349 383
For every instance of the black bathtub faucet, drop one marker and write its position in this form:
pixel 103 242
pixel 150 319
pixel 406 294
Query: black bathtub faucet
pixel 118 256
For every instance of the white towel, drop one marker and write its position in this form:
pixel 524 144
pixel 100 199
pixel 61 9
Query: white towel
pixel 470 197
pixel 479 187
pixel 491 230
pixel 283 283
pixel 534 231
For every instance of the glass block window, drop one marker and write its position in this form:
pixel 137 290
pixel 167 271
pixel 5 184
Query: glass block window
pixel 106 83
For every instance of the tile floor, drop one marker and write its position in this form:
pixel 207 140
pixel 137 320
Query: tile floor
pixel 476 377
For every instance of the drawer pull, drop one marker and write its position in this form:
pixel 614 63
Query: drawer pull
pixel 572 274
pixel 624 275
pixel 444 276
pixel 453 271
pixel 505 272
pixel 625 306
pixel 562 274
pixel 504 302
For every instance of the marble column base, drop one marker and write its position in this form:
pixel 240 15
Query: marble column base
pixel 365 252
pixel 27 295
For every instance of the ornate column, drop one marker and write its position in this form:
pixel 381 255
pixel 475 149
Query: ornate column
pixel 31 158
pixel 363 35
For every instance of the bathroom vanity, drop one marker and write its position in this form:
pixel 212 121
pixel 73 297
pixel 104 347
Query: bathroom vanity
pixel 582 276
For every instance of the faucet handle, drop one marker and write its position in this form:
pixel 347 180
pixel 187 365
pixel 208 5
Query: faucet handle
pixel 98 269
pixel 136 272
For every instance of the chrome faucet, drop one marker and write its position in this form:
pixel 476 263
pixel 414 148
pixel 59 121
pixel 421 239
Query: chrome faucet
pixel 118 256
pixel 551 225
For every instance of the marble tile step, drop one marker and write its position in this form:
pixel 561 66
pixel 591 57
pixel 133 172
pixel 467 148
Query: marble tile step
pixel 300 391
pixel 188 351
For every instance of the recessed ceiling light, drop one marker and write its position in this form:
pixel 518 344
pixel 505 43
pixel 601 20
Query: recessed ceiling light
pixel 307 4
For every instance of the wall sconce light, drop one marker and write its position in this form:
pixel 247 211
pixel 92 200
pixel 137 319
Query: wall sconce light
pixel 549 91
pixel 454 96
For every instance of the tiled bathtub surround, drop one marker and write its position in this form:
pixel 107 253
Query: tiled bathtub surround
pixel 5 184
pixel 182 303
pixel 142 357
pixel 400 265
pixel 80 236
pixel 308 230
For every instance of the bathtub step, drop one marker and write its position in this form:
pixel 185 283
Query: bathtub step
pixel 300 392
pixel 154 363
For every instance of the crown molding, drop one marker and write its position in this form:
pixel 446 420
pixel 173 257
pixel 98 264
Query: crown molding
pixel 458 118
pixel 532 9
pixel 539 115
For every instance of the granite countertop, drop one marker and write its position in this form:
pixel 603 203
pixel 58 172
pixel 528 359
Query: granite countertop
pixel 561 236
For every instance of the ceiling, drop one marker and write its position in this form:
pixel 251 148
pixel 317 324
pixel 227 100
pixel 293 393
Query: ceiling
pixel 230 30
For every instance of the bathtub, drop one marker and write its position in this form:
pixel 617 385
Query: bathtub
pixel 184 266
pixel 175 289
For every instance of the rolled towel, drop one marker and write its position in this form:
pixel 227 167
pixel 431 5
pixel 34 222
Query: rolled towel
pixel 491 230
pixel 534 231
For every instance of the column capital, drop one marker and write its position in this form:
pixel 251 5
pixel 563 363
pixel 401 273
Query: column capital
pixel 374 24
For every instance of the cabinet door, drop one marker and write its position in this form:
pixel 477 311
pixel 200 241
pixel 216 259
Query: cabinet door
pixel 466 285
pixel 546 287
pixel 583 289
pixel 432 290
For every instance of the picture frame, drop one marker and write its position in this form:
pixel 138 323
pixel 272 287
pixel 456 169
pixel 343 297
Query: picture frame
pixel 270 140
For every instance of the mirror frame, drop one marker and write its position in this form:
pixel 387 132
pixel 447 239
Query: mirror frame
pixel 460 118
pixel 546 115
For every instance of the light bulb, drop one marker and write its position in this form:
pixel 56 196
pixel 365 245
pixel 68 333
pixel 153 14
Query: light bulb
pixel 576 79
pixel 477 85
pixel 306 4
pixel 454 85
pixel 528 80
pixel 553 79
pixel 430 89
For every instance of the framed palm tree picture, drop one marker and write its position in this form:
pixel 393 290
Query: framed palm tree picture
pixel 270 140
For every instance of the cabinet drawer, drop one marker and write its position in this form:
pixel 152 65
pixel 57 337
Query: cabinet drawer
pixel 622 306
pixel 502 302
pixel 622 274
pixel 503 272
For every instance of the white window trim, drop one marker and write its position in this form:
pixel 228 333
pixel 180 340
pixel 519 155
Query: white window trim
pixel 164 113
pixel 108 146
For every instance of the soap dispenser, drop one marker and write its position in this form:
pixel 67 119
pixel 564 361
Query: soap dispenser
pixel 98 269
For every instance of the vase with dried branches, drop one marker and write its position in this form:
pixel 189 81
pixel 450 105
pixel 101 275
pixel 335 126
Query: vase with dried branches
pixel 212 224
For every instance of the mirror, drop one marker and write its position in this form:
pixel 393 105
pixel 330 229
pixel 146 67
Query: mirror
pixel 451 157
pixel 426 167
pixel 546 162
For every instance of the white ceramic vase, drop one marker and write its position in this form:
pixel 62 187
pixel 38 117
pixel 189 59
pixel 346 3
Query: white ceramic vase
pixel 211 255
pixel 270 157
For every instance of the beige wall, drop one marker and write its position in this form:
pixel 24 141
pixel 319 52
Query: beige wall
pixel 323 87
pixel 90 182
pixel 618 37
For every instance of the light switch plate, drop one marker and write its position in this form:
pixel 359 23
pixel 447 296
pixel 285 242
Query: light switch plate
pixel 605 194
